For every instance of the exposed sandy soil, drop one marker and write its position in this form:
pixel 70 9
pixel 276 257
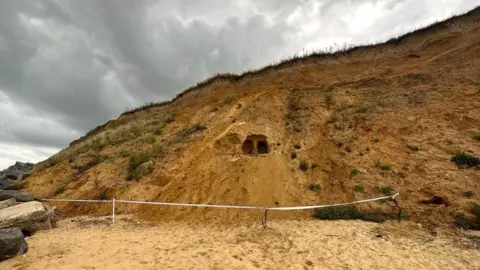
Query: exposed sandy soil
pixel 92 243
pixel 356 110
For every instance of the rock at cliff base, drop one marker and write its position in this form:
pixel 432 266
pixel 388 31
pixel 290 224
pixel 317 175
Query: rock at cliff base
pixel 12 243
pixel 29 216
pixel 19 196
pixel 16 185
pixel 7 203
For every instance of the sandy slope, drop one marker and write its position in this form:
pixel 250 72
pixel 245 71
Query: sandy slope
pixel 83 243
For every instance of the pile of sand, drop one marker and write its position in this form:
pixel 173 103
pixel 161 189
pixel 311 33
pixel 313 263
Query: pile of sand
pixel 88 243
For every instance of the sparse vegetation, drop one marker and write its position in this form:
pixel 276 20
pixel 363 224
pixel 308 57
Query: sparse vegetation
pixel 476 136
pixel 187 131
pixel 468 194
pixel 297 146
pixel 60 190
pixel 413 147
pixel 376 139
pixel 292 116
pixel 293 155
pixel 471 222
pixel 347 212
pixel 354 172
pixel 314 187
pixel 139 158
pixel 96 159
pixel 170 119
pixel 98 144
pixel 363 110
pixel 135 161
pixel 465 159
pixel 124 153
pixel 385 190
pixel 297 127
pixel 304 165
pixel 314 165
pixel 384 166
pixel 149 139
pixel 358 188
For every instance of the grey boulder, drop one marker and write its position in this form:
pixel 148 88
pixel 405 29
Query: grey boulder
pixel 4 182
pixel 29 216
pixel 12 243
pixel 16 185
pixel 19 196
pixel 7 203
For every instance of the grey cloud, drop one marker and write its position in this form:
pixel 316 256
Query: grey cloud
pixel 75 64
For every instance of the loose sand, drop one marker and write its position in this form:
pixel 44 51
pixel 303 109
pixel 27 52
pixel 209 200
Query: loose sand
pixel 91 243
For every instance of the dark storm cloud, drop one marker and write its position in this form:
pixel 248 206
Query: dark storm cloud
pixel 68 66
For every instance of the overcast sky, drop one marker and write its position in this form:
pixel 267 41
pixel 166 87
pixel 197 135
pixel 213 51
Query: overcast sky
pixel 68 66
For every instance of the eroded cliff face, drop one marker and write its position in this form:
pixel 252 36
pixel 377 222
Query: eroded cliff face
pixel 380 119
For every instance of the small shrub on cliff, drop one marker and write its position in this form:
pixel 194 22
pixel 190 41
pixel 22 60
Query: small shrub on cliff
pixel 314 187
pixel 385 190
pixel 472 222
pixel 384 166
pixel 187 131
pixel 358 188
pixel 413 147
pixel 304 165
pixel 60 190
pixel 465 159
pixel 149 139
pixel 476 136
pixel 293 155
pixel 170 119
pixel 468 194
pixel 135 161
pixel 124 153
pixel 354 172
pixel 346 212
pixel 363 110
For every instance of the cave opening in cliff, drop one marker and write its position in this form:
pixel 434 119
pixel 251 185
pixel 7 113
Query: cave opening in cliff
pixel 255 144
pixel 248 147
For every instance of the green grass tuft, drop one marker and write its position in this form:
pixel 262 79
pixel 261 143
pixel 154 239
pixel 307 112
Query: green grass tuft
pixel 314 187
pixel 472 222
pixel 358 188
pixel 386 190
pixel 60 190
pixel 384 166
pixel 149 139
pixel 413 147
pixel 187 131
pixel 304 165
pixel 347 212
pixel 354 172
pixel 465 159
pixel 363 110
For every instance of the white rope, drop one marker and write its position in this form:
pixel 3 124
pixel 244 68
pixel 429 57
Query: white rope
pixel 68 200
pixel 195 204
pixel 330 205
pixel 227 206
